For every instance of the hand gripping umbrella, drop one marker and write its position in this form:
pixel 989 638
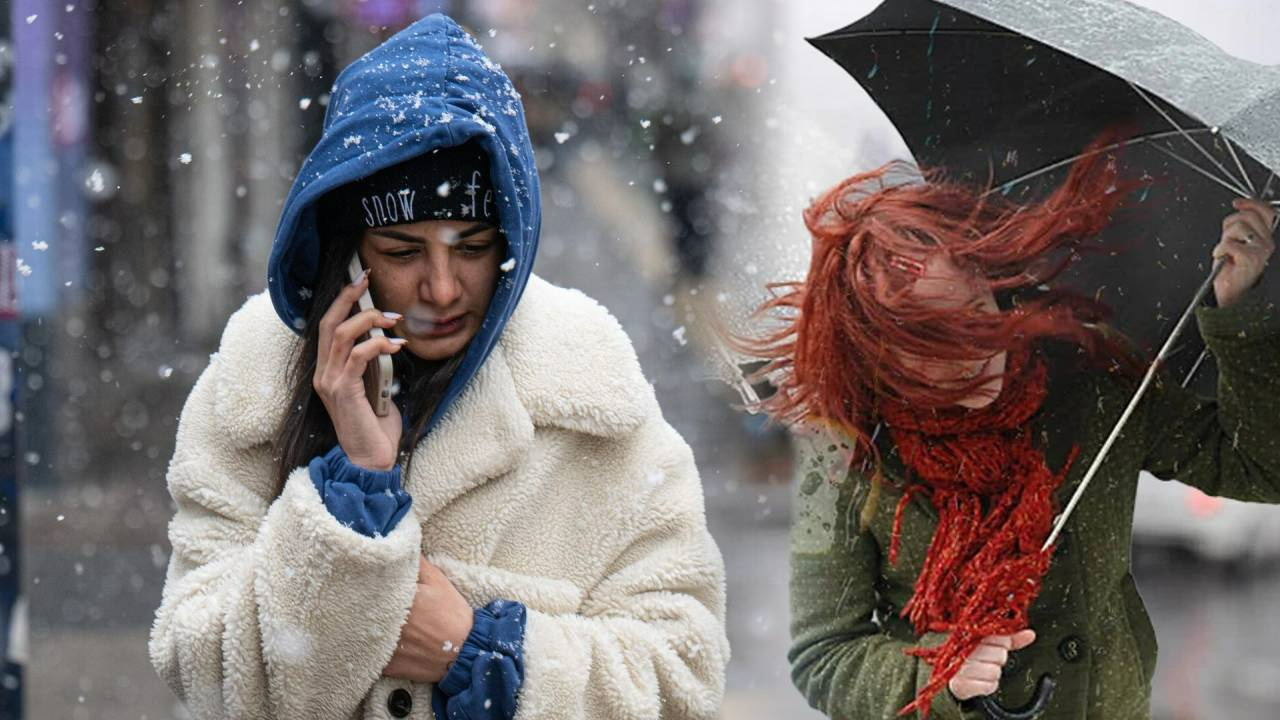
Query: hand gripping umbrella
pixel 1011 91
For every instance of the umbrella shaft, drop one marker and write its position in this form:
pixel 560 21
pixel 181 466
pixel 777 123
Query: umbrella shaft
pixel 1133 402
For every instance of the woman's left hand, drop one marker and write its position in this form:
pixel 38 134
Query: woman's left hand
pixel 439 621
pixel 1247 243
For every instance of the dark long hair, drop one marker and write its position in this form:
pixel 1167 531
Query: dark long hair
pixel 306 429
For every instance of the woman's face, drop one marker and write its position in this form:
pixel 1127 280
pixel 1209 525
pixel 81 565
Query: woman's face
pixel 439 275
pixel 934 280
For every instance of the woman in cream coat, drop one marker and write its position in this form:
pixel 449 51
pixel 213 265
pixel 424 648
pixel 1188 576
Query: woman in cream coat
pixel 545 489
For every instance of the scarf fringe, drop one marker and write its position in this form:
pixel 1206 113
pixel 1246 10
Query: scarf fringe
pixel 993 493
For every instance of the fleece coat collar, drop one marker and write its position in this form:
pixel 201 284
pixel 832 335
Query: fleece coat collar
pixel 533 378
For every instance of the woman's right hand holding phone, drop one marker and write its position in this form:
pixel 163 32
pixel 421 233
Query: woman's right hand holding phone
pixel 980 674
pixel 345 350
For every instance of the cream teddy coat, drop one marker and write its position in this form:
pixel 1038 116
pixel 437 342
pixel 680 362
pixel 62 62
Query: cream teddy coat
pixel 553 480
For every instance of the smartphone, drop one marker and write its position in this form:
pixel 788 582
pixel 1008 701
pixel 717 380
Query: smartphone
pixel 377 374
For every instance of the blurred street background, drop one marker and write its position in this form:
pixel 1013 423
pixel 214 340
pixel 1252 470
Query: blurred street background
pixel 150 144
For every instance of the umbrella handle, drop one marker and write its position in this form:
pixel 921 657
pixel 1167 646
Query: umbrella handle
pixel 1044 691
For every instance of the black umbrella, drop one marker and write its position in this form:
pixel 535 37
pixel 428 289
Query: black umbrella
pixel 1018 89
pixel 1012 91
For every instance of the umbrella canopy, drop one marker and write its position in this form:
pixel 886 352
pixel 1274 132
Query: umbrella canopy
pixel 1013 90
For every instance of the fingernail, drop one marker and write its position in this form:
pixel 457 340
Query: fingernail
pixel 391 315
pixel 398 341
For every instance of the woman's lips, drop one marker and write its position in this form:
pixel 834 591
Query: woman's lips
pixel 426 327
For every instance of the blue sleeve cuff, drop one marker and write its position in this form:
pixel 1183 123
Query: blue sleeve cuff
pixel 371 502
pixel 484 682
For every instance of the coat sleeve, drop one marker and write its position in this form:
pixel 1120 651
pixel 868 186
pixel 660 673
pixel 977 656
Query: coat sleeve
pixel 649 639
pixel 271 607
pixel 842 658
pixel 1228 446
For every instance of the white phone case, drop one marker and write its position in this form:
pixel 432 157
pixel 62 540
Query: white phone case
pixel 377 374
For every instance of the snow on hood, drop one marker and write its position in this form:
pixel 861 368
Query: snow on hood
pixel 428 86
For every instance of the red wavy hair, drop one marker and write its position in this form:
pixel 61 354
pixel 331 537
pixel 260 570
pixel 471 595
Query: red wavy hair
pixel 829 356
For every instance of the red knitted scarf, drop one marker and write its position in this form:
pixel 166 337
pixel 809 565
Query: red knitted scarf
pixel 993 494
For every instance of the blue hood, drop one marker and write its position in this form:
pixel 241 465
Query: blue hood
pixel 428 86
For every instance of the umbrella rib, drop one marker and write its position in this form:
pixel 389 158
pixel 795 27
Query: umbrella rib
pixel 1233 188
pixel 1143 94
pixel 1124 143
pixel 1194 368
pixel 1267 187
pixel 1248 180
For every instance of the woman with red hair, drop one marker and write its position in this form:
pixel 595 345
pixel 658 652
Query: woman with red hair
pixel 955 395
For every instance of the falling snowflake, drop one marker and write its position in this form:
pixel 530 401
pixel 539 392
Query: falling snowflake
pixel 39 245
pixel 304 103
pixel 678 334
pixel 95 183
pixel 31 18
pixel 644 124
pixel 23 268
pixel 443 189
pixel 561 137
pixel 659 185
pixel 185 158
pixel 716 120
pixel 136 100
pixel 254 45
pixel 509 265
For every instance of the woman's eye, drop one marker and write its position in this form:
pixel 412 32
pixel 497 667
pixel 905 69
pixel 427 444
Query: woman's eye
pixel 401 254
pixel 475 248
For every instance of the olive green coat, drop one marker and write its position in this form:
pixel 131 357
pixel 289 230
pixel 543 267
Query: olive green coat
pixel 1093 632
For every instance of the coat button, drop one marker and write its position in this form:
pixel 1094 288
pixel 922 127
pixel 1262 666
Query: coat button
pixel 1071 648
pixel 399 703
